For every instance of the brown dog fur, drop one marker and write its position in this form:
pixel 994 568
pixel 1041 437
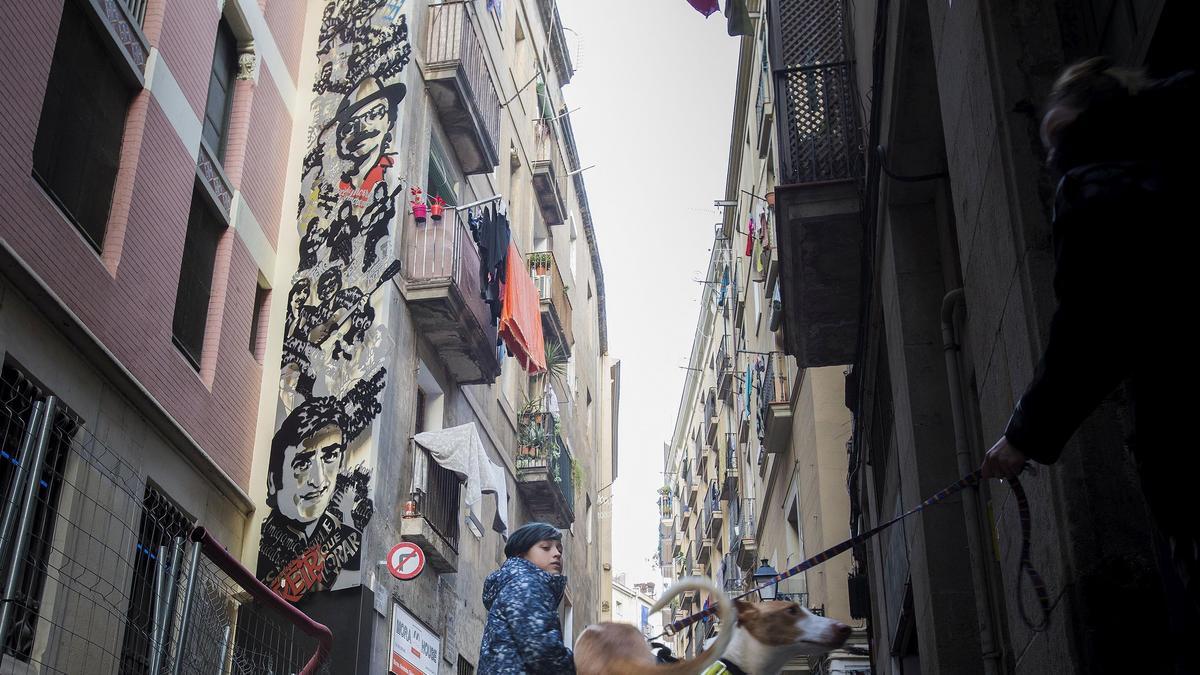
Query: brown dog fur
pixel 619 649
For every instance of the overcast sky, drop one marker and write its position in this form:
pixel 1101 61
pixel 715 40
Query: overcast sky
pixel 654 83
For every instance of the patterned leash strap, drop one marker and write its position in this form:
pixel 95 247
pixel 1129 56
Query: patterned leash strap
pixel 961 484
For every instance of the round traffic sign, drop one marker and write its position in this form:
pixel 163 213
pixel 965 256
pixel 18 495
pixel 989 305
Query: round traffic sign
pixel 406 560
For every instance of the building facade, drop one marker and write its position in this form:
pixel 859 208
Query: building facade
pixel 145 143
pixel 217 275
pixel 756 464
pixel 914 240
pixel 632 603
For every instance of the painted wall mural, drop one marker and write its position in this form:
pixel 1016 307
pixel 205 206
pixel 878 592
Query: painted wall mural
pixel 334 348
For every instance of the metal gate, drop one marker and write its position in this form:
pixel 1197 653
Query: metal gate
pixel 103 574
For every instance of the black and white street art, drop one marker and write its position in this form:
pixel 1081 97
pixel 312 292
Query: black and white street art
pixel 334 347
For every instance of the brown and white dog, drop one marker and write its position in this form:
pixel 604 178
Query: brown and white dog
pixel 769 634
pixel 619 649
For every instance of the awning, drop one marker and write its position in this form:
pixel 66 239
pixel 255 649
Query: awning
pixel 460 450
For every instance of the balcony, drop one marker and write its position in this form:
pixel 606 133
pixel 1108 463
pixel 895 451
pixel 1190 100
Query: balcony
pixel 434 525
pixel 729 486
pixel 776 403
pixel 461 89
pixel 710 416
pixel 743 532
pixel 818 230
pixel 548 174
pixel 713 515
pixel 556 303
pixel 725 370
pixel 441 270
pixel 544 466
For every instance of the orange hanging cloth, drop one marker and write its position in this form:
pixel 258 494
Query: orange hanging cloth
pixel 521 315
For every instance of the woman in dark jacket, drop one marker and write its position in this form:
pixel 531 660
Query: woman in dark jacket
pixel 523 634
pixel 1125 275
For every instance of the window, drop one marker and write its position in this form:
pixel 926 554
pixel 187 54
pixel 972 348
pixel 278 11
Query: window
pixel 204 231
pixel 137 10
pixel 78 144
pixel 464 667
pixel 161 524
pixel 258 321
pixel 17 397
pixel 441 176
pixel 220 90
pixel 438 495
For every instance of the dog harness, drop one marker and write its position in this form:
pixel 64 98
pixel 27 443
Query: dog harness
pixel 723 667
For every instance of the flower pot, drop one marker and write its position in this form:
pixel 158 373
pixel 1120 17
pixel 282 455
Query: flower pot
pixel 771 199
pixel 436 208
pixel 419 211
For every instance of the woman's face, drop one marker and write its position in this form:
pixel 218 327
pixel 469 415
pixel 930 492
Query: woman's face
pixel 547 555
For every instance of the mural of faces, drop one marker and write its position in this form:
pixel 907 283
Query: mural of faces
pixel 332 370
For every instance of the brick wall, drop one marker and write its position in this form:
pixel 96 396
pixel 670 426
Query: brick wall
pixel 127 297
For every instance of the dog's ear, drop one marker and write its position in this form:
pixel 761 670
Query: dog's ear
pixel 745 610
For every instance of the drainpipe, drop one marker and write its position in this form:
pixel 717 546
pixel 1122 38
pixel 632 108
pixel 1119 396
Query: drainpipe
pixel 983 602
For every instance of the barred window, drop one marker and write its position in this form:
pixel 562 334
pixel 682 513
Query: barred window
pixel 18 395
pixel 161 523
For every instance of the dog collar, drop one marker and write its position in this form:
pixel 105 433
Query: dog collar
pixel 723 667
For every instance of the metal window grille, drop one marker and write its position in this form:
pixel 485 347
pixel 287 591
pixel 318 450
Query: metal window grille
pixel 439 502
pixel 464 667
pixel 137 10
pixel 817 124
pixel 161 524
pixel 73 538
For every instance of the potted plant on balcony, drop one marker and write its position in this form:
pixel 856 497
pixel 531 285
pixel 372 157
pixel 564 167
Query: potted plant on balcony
pixel 540 262
pixel 531 440
pixel 418 204
pixel 437 206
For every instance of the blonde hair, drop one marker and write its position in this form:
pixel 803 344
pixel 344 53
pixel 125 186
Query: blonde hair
pixel 1084 85
pixel 1096 80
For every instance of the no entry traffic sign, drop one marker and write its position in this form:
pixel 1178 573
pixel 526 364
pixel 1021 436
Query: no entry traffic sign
pixel 406 560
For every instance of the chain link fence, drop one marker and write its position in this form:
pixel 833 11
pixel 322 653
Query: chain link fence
pixel 103 573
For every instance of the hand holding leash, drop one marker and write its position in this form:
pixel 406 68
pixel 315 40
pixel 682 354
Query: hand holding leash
pixel 1004 460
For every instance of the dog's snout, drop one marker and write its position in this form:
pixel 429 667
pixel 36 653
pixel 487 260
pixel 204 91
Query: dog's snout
pixel 841 629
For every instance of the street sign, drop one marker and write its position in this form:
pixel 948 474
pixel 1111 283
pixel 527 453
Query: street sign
pixel 406 560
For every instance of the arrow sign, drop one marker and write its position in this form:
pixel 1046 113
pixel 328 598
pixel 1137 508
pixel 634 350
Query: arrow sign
pixel 406 560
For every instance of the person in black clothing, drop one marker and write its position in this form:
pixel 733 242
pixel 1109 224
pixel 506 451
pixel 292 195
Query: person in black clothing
pixel 1125 150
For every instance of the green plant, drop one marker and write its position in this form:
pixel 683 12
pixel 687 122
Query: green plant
pixel 540 259
pixel 531 435
pixel 576 473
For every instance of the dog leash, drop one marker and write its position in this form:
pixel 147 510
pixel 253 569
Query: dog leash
pixel 1026 564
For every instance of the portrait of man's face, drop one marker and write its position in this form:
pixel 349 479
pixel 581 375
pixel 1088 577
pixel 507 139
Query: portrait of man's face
pixel 361 135
pixel 310 472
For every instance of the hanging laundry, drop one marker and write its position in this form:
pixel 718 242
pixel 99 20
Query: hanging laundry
pixel 493 235
pixel 724 286
pixel 749 387
pixel 750 237
pixel 737 18
pixel 544 107
pixel 705 7
pixel 521 316
pixel 758 253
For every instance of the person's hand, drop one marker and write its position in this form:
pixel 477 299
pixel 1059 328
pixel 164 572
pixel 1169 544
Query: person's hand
pixel 1003 460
